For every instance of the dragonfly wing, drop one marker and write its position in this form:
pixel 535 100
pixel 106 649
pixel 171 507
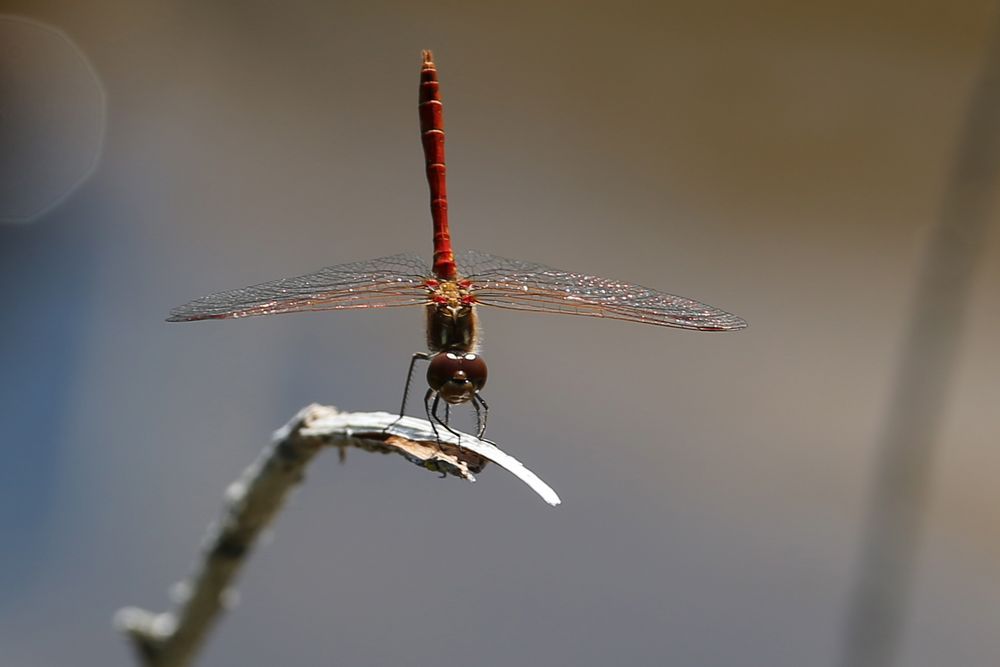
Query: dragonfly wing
pixel 511 283
pixel 377 283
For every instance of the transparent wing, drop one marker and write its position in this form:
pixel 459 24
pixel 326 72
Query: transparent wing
pixel 511 283
pixel 376 283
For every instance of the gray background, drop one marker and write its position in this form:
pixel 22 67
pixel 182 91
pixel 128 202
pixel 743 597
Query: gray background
pixel 783 162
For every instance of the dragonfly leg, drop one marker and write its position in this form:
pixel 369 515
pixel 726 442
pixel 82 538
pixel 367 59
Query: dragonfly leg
pixel 451 430
pixel 425 356
pixel 431 411
pixel 481 417
pixel 433 416
pixel 406 387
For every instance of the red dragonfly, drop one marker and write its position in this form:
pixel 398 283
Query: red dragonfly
pixel 452 288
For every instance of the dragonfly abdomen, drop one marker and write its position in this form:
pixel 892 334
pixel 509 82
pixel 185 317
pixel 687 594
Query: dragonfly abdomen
pixel 432 136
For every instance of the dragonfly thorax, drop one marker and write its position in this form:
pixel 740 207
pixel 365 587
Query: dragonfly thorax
pixel 452 293
pixel 456 375
pixel 452 327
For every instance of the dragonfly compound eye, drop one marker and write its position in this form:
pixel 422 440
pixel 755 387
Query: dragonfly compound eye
pixel 456 375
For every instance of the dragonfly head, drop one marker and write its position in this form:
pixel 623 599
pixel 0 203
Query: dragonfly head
pixel 456 375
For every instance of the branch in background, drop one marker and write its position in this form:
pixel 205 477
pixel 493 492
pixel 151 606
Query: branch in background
pixel 172 639
pixel 912 429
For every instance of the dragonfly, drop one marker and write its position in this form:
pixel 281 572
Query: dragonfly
pixel 452 288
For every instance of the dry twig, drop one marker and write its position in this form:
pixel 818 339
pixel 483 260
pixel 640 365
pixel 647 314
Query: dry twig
pixel 172 639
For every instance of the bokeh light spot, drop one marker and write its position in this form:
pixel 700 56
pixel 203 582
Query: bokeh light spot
pixel 52 118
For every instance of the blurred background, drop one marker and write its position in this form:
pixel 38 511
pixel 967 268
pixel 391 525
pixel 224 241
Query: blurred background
pixel 786 162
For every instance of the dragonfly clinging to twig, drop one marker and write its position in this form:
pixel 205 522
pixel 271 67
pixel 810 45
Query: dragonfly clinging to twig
pixel 451 289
